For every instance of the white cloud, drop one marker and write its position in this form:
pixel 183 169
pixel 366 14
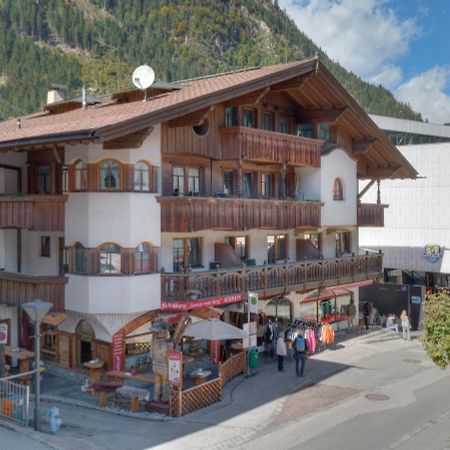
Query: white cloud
pixel 365 36
pixel 426 93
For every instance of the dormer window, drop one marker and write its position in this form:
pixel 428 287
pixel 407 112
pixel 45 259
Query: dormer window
pixel 338 189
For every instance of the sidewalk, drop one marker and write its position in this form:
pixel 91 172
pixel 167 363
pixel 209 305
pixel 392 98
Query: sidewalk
pixel 249 406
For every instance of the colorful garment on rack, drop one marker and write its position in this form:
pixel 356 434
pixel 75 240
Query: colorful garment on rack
pixel 327 334
pixel 311 341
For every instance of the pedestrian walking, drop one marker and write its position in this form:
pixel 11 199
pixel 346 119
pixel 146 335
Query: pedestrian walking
pixel 366 311
pixel 406 325
pixel 281 351
pixel 300 354
pixel 351 313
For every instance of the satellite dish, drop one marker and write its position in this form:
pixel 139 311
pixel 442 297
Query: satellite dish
pixel 143 78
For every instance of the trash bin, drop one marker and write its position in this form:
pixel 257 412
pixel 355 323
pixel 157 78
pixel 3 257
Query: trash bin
pixel 253 358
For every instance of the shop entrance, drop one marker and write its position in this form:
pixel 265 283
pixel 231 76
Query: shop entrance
pixel 85 337
pixel 279 307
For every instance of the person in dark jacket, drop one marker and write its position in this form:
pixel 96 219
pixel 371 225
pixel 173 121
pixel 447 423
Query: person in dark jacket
pixel 300 354
pixel 366 312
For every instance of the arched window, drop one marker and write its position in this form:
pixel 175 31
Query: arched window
pixel 142 177
pixel 338 189
pixel 143 259
pixel 80 176
pixel 110 175
pixel 110 259
pixel 81 258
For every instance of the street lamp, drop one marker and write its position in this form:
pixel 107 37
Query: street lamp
pixel 36 310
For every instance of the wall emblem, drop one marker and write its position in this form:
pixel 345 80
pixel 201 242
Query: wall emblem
pixel 433 252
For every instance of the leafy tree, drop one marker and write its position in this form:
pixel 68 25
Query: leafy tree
pixel 437 329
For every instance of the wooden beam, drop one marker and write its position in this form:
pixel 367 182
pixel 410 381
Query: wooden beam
pixel 368 186
pixel 362 146
pixel 190 120
pixel 249 99
pixel 322 115
pixel 132 140
pixel 294 83
pixel 381 172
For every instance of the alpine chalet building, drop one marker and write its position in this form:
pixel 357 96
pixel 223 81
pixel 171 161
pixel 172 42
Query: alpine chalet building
pixel 120 211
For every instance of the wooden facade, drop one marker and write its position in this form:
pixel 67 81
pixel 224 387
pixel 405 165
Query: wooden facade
pixel 268 146
pixel 371 215
pixel 16 288
pixel 270 280
pixel 33 212
pixel 189 214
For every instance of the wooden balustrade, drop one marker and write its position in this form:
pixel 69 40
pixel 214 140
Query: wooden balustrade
pixel 272 279
pixel 371 215
pixel 17 288
pixel 188 214
pixel 261 145
pixel 33 212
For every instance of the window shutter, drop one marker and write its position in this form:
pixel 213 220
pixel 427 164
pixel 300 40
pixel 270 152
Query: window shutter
pixel 128 177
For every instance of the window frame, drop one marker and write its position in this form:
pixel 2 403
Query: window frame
pixel 80 174
pixel 186 253
pixel 338 189
pixel 138 187
pixel 325 128
pixel 140 263
pixel 269 125
pixel 46 249
pixel 81 254
pixel 281 128
pixel 232 242
pixel 252 111
pixel 119 187
pixel 109 261
pixel 48 177
pixel 343 243
pixel 308 130
pixel 277 256
pixel 266 186
pixel 230 191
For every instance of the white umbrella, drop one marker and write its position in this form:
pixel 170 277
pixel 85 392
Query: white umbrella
pixel 215 330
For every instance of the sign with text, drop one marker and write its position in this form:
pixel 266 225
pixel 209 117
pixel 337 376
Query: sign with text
pixel 118 352
pixel 253 302
pixel 176 369
pixel 3 333
pixel 202 303
pixel 250 328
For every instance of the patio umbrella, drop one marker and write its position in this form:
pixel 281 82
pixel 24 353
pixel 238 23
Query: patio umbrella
pixel 215 330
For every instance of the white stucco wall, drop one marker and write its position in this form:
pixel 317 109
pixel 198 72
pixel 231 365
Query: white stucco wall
pixel 121 217
pixel 310 183
pixel 338 164
pixel 10 312
pixel 150 151
pixel 18 160
pixel 113 294
pixel 418 212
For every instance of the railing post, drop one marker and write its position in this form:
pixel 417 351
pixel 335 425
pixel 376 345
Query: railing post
pixel 353 267
pixel 286 275
pixel 265 275
pixel 305 268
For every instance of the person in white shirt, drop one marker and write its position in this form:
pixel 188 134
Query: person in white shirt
pixel 406 325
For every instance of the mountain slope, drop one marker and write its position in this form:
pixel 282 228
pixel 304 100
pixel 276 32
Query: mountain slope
pixel 99 42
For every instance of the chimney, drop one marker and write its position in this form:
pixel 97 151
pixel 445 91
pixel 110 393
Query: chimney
pixel 55 93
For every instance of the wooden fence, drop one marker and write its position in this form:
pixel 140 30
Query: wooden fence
pixel 232 367
pixel 183 402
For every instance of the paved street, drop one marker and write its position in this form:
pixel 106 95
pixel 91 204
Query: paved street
pixel 374 392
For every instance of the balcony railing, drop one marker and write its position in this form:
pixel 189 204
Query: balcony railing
pixel 270 280
pixel 188 214
pixel 261 145
pixel 33 212
pixel 371 215
pixel 17 288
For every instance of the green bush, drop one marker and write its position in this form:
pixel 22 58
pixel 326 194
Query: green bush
pixel 436 325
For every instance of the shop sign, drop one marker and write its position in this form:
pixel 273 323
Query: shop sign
pixel 202 303
pixel 253 302
pixel 416 300
pixel 251 329
pixel 176 368
pixel 433 252
pixel 118 351
pixel 3 333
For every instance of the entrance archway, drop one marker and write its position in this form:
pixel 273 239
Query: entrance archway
pixel 85 336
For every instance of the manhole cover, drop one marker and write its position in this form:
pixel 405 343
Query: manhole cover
pixel 413 361
pixel 377 397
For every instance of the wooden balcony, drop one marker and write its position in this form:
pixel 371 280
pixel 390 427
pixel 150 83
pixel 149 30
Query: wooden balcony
pixel 188 214
pixel 269 146
pixel 371 215
pixel 33 212
pixel 270 280
pixel 17 288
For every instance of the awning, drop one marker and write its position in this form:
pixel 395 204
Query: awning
pixel 215 330
pixel 326 295
pixel 54 319
pixel 340 229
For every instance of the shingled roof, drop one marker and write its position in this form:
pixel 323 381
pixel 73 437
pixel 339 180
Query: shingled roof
pixel 100 123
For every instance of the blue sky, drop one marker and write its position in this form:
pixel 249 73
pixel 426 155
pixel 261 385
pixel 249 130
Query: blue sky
pixel 401 44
